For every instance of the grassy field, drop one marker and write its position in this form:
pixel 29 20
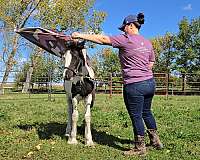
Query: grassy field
pixel 33 128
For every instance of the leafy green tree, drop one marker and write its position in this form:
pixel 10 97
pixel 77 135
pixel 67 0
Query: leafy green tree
pixel 164 51
pixel 68 15
pixel 42 70
pixel 20 76
pixel 14 13
pixel 194 70
pixel 105 62
pixel 195 41
pixel 183 44
pixel 158 49
pixel 111 61
pixel 187 47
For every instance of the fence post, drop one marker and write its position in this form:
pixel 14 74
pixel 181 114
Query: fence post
pixel 167 84
pixel 49 86
pixel 185 83
pixel 29 93
pixel 110 85
pixel 172 88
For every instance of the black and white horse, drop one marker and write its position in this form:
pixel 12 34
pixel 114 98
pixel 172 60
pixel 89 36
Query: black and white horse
pixel 78 85
pixel 78 74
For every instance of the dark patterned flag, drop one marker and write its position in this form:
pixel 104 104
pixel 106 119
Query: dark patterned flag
pixel 50 41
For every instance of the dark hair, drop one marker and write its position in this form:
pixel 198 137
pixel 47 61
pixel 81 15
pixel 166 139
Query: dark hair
pixel 140 20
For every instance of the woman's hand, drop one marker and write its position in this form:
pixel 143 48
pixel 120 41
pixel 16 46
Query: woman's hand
pixel 75 35
pixel 151 65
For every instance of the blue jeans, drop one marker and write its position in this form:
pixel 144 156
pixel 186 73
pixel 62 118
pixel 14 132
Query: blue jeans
pixel 138 98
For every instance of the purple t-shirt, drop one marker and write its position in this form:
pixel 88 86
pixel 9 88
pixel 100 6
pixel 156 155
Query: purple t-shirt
pixel 135 54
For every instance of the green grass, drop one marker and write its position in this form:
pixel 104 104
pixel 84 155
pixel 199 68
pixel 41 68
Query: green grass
pixel 33 128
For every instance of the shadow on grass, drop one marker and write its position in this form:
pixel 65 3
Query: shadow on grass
pixel 103 138
pixel 47 131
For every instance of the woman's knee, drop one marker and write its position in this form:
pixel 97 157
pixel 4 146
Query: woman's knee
pixel 136 116
pixel 146 114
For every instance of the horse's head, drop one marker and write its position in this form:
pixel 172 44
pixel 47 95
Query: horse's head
pixel 74 58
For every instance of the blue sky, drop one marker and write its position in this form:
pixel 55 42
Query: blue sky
pixel 160 16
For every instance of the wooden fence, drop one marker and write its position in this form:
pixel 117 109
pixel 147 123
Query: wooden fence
pixel 166 84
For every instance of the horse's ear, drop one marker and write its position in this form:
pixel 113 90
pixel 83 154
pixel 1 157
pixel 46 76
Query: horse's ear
pixel 81 44
pixel 69 43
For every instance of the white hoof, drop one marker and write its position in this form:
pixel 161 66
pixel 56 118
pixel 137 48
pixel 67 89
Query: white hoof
pixel 72 141
pixel 89 143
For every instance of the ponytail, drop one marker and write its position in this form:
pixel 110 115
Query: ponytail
pixel 140 18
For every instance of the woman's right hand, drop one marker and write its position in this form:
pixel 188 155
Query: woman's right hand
pixel 75 35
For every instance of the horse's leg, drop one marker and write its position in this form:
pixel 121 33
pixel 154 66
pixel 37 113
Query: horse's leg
pixel 67 86
pixel 72 137
pixel 69 120
pixel 88 135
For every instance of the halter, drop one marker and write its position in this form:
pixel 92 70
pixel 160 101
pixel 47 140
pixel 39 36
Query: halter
pixel 75 71
pixel 82 60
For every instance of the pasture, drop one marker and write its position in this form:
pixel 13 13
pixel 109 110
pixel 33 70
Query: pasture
pixel 33 128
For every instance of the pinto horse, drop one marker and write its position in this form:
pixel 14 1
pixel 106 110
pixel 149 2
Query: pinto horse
pixel 78 75
pixel 78 85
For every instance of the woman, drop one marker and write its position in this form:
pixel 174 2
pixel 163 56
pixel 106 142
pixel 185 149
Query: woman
pixel 137 58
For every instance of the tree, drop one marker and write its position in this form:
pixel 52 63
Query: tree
pixel 158 49
pixel 68 15
pixel 187 47
pixel 195 40
pixel 64 15
pixel 14 14
pixel 164 51
pixel 31 67
pixel 105 62
pixel 111 61
pixel 41 70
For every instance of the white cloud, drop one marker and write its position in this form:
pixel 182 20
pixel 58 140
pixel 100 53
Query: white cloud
pixel 188 7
